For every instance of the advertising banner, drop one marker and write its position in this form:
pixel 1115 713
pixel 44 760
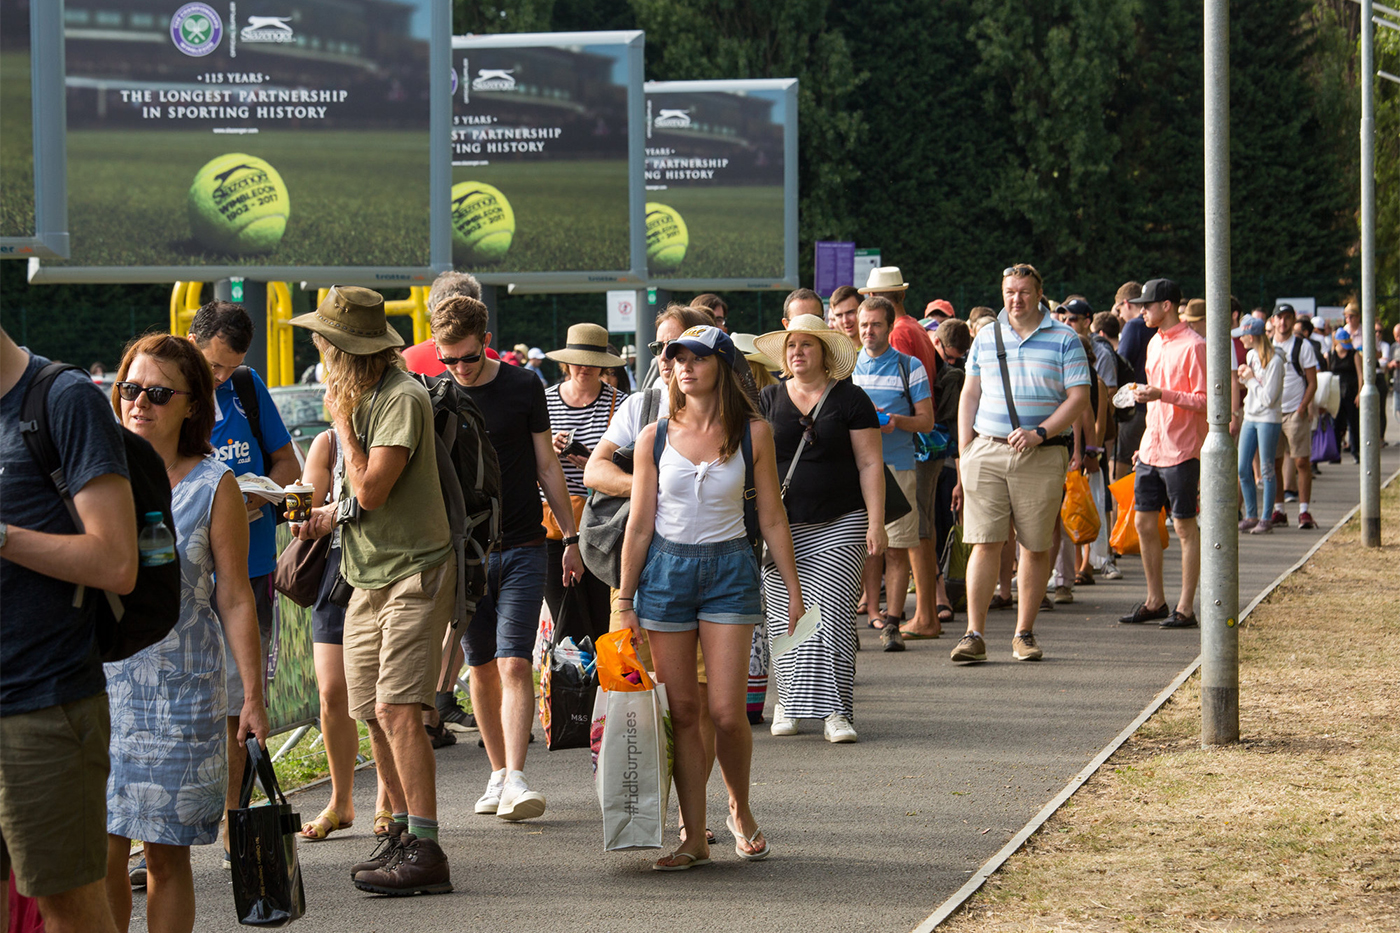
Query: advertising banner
pixel 272 139
pixel 33 203
pixel 721 184
pixel 546 158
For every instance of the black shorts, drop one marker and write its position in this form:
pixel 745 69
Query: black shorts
pixel 328 619
pixel 1178 486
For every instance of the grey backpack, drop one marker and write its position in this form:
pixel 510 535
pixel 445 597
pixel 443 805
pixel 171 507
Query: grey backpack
pixel 605 517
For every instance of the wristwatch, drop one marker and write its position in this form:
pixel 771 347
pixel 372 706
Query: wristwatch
pixel 570 539
pixel 1039 430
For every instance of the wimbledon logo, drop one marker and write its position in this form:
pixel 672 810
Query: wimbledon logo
pixel 672 119
pixel 196 29
pixel 494 79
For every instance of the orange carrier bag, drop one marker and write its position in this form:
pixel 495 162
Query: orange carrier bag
pixel 1078 512
pixel 1124 539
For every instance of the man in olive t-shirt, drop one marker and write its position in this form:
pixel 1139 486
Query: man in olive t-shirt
pixel 397 554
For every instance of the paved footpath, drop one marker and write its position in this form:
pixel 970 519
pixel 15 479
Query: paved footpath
pixel 951 762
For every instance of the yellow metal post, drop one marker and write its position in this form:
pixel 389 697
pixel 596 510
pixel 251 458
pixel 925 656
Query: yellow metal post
pixel 184 302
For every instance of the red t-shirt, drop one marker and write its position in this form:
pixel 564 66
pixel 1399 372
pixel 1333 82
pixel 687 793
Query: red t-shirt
pixel 423 358
pixel 909 338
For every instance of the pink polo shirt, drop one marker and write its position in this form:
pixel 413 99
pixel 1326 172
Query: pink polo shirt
pixel 1176 425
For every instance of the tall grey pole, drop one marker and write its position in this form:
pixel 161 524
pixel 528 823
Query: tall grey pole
pixel 646 333
pixel 1370 400
pixel 1220 554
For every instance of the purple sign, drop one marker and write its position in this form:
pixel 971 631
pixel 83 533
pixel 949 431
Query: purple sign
pixel 835 266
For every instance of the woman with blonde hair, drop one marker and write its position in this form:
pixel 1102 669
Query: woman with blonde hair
pixel 1262 375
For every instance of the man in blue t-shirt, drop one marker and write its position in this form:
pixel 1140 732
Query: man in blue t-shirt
pixel 54 721
pixel 223 332
pixel 899 387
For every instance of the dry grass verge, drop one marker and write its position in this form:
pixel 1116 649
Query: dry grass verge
pixel 1296 828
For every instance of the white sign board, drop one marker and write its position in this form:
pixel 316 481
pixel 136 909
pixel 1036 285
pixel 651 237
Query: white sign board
pixel 867 259
pixel 1303 306
pixel 622 312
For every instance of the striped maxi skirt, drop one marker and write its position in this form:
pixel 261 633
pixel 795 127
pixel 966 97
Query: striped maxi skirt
pixel 817 678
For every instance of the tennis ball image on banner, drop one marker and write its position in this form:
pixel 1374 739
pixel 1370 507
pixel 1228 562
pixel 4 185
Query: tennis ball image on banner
pixel 483 223
pixel 239 205
pixel 667 237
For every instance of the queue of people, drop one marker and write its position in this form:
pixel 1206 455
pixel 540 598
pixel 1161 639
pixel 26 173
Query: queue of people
pixel 823 463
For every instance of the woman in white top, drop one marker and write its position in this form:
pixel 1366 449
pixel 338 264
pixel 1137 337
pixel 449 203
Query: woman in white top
pixel 1262 377
pixel 689 572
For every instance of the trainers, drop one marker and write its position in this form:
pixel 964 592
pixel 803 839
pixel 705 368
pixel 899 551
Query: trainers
pixel 1024 648
pixel 439 735
pixel 1305 521
pixel 419 867
pixel 137 875
pixel 970 648
pixel 1064 594
pixel 490 801
pixel 838 729
pixel 1279 519
pixel 518 802
pixel 1000 602
pixel 1111 571
pixel 1247 524
pixel 890 636
pixel 782 725
pixel 453 716
pixel 1046 604
pixel 384 850
pixel 1177 620
pixel 1141 614
pixel 1262 528
pixel 1290 495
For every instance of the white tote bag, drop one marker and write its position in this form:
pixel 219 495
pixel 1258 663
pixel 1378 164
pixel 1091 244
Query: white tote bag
pixel 633 774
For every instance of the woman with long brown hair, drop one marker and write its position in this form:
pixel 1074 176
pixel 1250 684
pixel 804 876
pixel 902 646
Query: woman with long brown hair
pixel 689 575
pixel 168 702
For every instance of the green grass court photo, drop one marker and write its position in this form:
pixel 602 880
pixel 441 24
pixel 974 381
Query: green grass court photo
pixel 356 198
pixel 16 147
pixel 736 232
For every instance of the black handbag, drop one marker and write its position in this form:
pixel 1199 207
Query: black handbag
pixel 566 691
pixel 896 505
pixel 267 889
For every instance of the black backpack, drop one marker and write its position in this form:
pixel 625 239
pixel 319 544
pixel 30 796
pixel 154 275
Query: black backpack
pixel 1125 376
pixel 471 486
pixel 125 624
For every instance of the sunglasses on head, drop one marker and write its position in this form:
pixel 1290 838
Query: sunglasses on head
pixel 454 360
pixel 1020 272
pixel 159 395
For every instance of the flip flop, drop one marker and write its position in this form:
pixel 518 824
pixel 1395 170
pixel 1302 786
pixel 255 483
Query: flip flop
pixel 322 826
pixel 695 862
pixel 709 833
pixel 739 837
pixel 911 636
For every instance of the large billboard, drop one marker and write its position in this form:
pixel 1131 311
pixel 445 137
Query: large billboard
pixel 547 159
pixel 33 204
pixel 721 180
pixel 271 139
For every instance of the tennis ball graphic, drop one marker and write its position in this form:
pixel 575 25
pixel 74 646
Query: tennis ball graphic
pixel 238 204
pixel 483 223
pixel 667 237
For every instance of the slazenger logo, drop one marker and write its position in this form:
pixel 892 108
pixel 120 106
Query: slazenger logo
pixel 267 29
pixel 494 79
pixel 234 450
pixel 196 29
pixel 672 119
pixel 223 189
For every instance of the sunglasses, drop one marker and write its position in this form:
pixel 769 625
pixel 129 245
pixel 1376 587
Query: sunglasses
pixel 656 346
pixel 1020 272
pixel 159 395
pixel 808 428
pixel 454 360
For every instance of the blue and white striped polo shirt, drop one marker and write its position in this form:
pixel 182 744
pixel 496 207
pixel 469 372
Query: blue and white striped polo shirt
pixel 1043 367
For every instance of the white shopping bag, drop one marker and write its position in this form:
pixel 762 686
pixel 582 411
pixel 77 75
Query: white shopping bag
pixel 632 730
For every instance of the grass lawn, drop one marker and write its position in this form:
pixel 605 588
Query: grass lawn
pixel 16 147
pixel 1295 828
pixel 735 232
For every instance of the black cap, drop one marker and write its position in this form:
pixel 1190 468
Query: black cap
pixel 1158 290
pixel 1077 307
pixel 1284 308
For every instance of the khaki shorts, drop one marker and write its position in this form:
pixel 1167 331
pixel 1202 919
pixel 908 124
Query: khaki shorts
pixel 53 796
pixel 928 473
pixel 1295 440
pixel 393 639
pixel 904 532
pixel 644 649
pixel 1001 486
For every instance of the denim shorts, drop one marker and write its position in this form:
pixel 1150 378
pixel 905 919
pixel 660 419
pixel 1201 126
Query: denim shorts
pixel 508 619
pixel 1178 486
pixel 684 583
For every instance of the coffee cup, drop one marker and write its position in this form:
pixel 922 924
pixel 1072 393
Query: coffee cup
pixel 298 502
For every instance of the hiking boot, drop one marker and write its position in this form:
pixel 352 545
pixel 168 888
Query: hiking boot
pixel 439 735
pixel 490 801
pixel 453 716
pixel 1141 614
pixel 1111 571
pixel 838 729
pixel 1305 521
pixel 1024 648
pixel 890 637
pixel 970 648
pixel 384 850
pixel 1279 519
pixel 1262 528
pixel 782 723
pixel 1064 594
pixel 1177 620
pixel 420 867
pixel 1247 524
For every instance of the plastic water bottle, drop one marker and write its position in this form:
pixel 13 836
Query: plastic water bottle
pixel 156 543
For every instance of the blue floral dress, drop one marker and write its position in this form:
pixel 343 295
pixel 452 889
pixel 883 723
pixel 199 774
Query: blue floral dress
pixel 169 737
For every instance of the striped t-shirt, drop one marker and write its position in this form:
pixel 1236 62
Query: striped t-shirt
pixel 1043 367
pixel 588 424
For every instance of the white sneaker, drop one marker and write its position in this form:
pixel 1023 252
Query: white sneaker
pixel 491 800
pixel 518 802
pixel 782 725
pixel 1111 571
pixel 839 729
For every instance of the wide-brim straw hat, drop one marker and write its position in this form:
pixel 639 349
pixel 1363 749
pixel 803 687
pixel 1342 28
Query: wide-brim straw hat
pixel 884 279
pixel 840 352
pixel 587 345
pixel 352 319
pixel 745 343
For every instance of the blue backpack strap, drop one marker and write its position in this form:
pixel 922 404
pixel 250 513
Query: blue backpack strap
pixel 659 444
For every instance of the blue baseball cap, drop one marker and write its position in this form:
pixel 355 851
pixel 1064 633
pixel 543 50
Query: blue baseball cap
pixel 705 341
pixel 1251 325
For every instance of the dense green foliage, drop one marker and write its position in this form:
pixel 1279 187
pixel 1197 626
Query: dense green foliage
pixel 959 136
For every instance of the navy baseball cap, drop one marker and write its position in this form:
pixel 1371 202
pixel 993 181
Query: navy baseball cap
pixel 705 341
pixel 1077 307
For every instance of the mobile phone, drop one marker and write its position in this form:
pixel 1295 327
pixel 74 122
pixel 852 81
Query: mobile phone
pixel 576 449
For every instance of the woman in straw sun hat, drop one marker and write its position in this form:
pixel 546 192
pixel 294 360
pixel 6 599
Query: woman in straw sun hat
pixel 580 409
pixel 835 502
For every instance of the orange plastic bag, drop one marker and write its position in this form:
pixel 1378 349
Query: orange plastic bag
pixel 1124 539
pixel 1078 512
pixel 618 667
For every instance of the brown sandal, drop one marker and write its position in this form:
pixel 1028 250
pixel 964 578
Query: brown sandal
pixel 323 825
